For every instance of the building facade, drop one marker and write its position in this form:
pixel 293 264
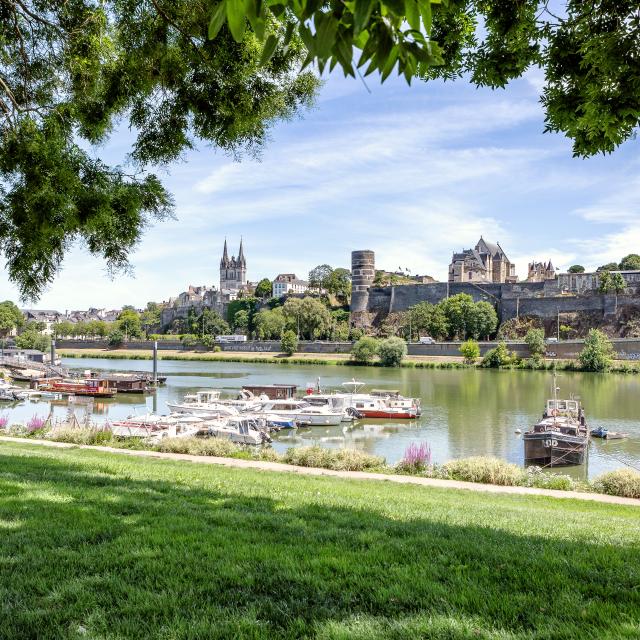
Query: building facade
pixel 288 283
pixel 233 271
pixel 486 262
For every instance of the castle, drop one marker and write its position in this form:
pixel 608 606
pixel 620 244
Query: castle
pixel 233 272
pixel 486 262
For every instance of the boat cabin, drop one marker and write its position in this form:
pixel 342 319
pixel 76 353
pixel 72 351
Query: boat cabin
pixel 273 391
pixel 566 408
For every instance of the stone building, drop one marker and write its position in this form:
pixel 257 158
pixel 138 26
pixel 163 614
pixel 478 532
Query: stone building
pixel 486 262
pixel 233 271
pixel 541 271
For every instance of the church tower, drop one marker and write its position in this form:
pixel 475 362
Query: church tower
pixel 233 271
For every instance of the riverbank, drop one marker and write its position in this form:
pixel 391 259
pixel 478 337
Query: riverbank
pixel 104 545
pixel 243 356
pixel 335 359
pixel 490 474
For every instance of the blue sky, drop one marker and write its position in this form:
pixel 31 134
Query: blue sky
pixel 413 173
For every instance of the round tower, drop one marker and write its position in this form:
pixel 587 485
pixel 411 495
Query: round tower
pixel 363 273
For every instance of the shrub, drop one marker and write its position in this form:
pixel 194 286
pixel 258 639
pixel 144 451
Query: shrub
pixel 289 342
pixel 535 477
pixel 356 333
pixel 199 446
pixel 623 482
pixel 4 421
pixel 189 340
pixel 470 350
pixel 486 470
pixel 597 354
pixel 338 460
pixel 392 351
pixel 82 435
pixel 115 338
pixel 499 356
pixel 535 342
pixel 417 457
pixel 365 350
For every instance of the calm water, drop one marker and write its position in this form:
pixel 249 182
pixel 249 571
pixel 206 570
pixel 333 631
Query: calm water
pixel 465 412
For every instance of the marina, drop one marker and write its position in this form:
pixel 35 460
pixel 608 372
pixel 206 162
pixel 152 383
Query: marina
pixel 463 412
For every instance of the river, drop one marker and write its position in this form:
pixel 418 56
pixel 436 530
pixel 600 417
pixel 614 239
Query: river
pixel 465 412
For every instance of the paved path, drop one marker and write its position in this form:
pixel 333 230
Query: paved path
pixel 355 475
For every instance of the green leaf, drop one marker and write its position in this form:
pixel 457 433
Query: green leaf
pixel 268 50
pixel 389 64
pixel 326 29
pixel 236 19
pixel 217 20
pixel 361 15
pixel 412 13
pixel 427 15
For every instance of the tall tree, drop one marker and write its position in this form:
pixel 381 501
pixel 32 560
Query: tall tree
pixel 72 72
pixel 576 268
pixel 10 318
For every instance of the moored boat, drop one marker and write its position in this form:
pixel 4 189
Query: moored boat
pixel 93 387
pixel 605 434
pixel 561 438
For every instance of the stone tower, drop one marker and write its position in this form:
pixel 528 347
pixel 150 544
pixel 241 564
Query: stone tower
pixel 233 271
pixel 363 273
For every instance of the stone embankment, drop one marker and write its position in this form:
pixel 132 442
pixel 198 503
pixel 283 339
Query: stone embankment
pixel 626 349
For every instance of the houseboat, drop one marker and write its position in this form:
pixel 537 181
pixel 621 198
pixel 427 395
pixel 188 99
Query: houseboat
pixel 96 388
pixel 561 438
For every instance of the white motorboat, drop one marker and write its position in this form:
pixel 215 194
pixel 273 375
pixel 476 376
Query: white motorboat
pixel 240 430
pixel 302 412
pixel 204 403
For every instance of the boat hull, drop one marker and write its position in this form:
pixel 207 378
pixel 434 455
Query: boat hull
pixel 554 449
pixel 390 414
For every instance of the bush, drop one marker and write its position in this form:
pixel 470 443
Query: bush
pixel 365 350
pixel 189 340
pixel 597 354
pixel 115 338
pixel 199 446
pixel 289 342
pixel 392 351
pixel 623 482
pixel 356 333
pixel 470 350
pixel 338 460
pixel 485 470
pixel 499 356
pixel 82 435
pixel 535 477
pixel 535 342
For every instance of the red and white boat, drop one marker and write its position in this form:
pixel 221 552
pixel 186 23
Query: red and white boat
pixel 385 404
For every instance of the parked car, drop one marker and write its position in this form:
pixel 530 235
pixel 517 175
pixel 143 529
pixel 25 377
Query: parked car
pixel 426 340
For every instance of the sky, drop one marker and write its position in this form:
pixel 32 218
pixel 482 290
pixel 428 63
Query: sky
pixel 413 173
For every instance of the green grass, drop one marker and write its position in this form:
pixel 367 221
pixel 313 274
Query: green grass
pixel 99 545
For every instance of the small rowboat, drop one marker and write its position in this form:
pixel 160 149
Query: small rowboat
pixel 605 434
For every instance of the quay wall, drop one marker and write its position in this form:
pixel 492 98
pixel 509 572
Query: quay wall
pixel 626 348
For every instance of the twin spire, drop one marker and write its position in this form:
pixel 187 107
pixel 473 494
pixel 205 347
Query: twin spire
pixel 233 263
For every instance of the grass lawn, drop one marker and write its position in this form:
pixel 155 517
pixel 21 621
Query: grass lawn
pixel 99 545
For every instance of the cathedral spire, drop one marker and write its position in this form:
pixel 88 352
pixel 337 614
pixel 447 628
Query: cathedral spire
pixel 225 256
pixel 241 258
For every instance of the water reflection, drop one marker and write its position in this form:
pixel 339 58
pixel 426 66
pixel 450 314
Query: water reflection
pixel 466 412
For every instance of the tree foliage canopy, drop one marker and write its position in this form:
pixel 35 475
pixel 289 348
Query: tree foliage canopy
pixel 72 71
pixel 589 51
